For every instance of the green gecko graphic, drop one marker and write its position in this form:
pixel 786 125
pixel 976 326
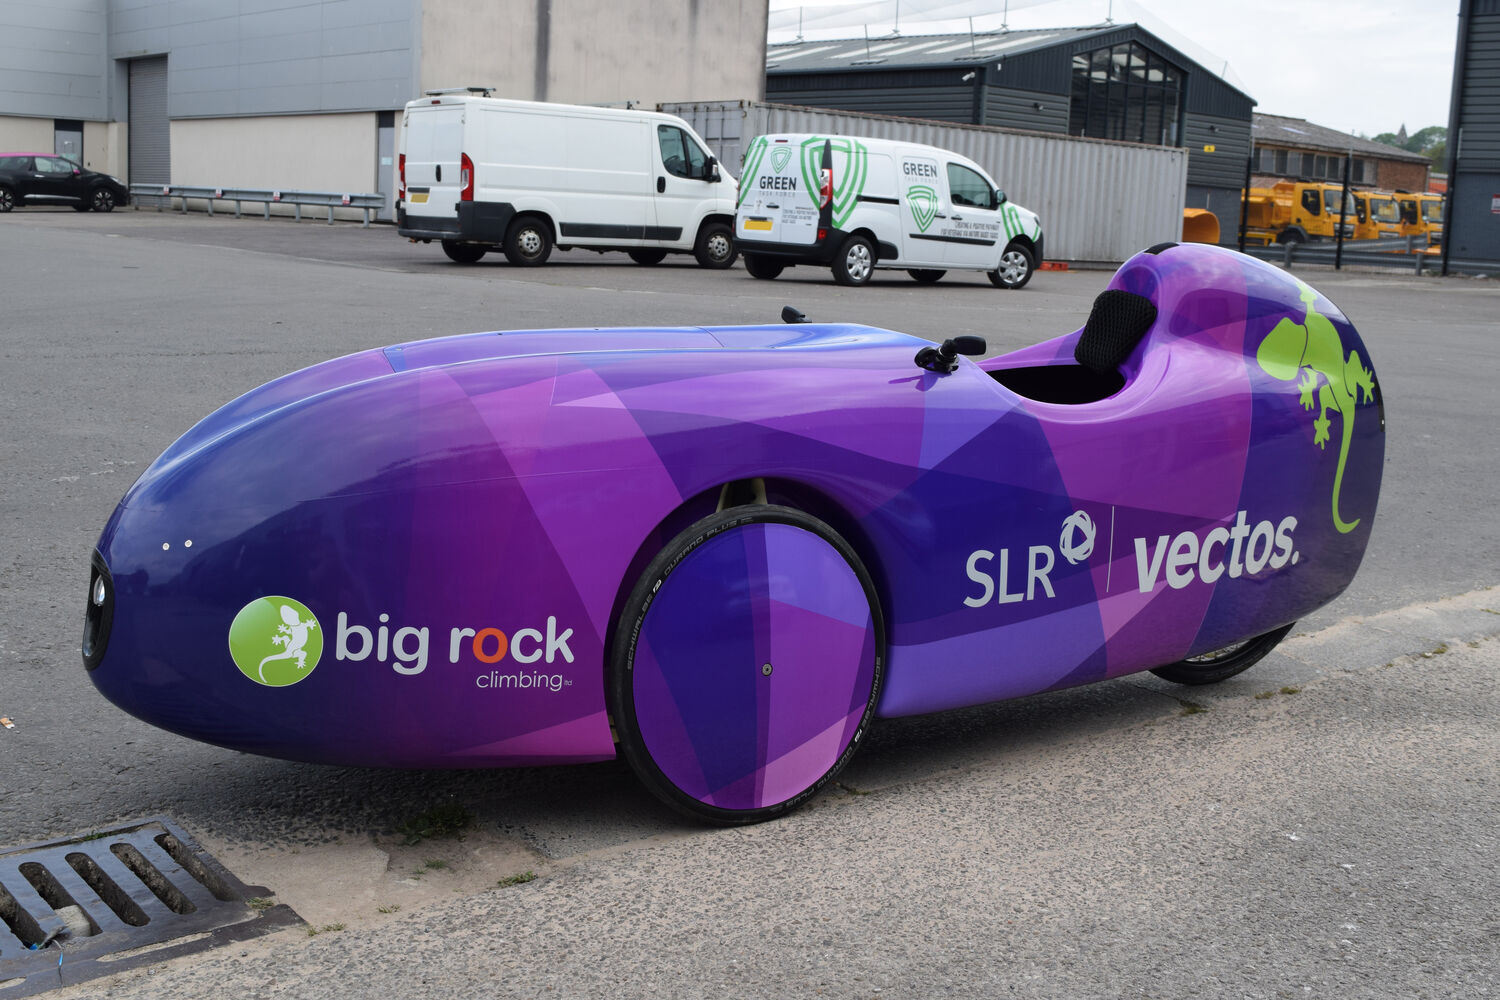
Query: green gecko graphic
pixel 1309 350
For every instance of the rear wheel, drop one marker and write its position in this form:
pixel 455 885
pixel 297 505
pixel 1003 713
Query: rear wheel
pixel 103 200
pixel 1016 267
pixel 648 257
pixel 763 267
pixel 855 263
pixel 715 249
pixel 463 253
pixel 747 664
pixel 924 276
pixel 528 242
pixel 7 199
pixel 1222 664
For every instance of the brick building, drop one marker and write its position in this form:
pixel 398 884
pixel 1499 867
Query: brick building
pixel 1293 148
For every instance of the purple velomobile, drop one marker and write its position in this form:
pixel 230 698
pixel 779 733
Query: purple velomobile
pixel 729 549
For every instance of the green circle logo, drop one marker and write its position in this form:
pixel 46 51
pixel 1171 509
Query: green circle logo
pixel 275 641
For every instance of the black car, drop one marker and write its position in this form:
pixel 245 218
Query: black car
pixel 44 179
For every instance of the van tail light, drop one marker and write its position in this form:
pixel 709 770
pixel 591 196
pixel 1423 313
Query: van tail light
pixel 825 175
pixel 401 177
pixel 466 177
pixel 822 235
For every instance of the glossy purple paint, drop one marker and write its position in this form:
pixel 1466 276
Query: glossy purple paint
pixel 458 491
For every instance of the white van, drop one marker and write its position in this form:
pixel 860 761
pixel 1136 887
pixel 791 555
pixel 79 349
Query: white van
pixel 857 204
pixel 478 173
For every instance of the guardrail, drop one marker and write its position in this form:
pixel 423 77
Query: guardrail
pixel 1401 252
pixel 163 194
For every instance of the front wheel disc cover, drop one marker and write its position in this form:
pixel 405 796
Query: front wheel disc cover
pixel 749 664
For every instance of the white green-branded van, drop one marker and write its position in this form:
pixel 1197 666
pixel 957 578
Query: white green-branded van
pixel 479 174
pixel 855 205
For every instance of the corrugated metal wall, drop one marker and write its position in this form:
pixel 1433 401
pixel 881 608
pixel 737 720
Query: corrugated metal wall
pixel 1474 230
pixel 1098 201
pixel 1229 138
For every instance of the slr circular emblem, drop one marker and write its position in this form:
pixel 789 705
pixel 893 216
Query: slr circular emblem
pixel 1077 540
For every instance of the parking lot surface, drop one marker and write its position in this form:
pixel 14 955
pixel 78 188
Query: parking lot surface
pixel 1322 825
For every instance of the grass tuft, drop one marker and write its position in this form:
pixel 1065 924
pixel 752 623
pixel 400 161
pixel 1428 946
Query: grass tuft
pixel 448 819
pixel 520 879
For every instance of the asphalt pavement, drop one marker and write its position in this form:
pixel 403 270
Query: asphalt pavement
pixel 1322 825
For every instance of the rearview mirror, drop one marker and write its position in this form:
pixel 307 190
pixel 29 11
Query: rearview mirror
pixel 999 196
pixel 711 169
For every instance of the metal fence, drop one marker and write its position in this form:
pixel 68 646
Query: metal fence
pixel 164 194
pixel 1098 201
pixel 1408 254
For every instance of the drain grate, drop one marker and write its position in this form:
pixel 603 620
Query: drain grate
pixel 73 910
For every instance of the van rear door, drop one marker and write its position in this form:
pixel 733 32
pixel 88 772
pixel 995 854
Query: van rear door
pixel 778 197
pixel 434 149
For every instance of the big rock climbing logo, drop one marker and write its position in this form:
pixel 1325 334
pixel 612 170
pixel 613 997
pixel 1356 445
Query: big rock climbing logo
pixel 275 641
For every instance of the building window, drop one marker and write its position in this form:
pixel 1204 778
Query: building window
pixel 1125 92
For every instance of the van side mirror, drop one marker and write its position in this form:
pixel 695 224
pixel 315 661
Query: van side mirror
pixel 711 169
pixel 999 196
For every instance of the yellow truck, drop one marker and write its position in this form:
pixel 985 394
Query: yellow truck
pixel 1294 212
pixel 1421 215
pixel 1376 215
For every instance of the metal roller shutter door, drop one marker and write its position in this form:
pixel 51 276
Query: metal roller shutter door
pixel 150 134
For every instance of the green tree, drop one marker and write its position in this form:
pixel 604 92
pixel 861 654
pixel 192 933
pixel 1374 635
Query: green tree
pixel 1423 140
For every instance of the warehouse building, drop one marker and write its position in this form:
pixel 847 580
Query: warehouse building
pixel 305 94
pixel 1115 82
pixel 1473 224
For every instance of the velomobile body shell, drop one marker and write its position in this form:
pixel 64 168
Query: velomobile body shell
pixel 459 521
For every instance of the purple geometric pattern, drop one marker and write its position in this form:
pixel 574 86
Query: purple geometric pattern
pixel 717 726
pixel 466 517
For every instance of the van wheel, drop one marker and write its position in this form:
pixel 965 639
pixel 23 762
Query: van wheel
pixel 715 249
pixel 463 253
pixel 747 664
pixel 763 267
pixel 528 242
pixel 648 257
pixel 925 276
pixel 1016 268
pixel 855 263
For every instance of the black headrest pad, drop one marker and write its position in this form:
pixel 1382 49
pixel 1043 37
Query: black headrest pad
pixel 1117 323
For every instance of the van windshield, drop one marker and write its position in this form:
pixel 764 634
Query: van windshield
pixel 1432 210
pixel 1333 201
pixel 1385 210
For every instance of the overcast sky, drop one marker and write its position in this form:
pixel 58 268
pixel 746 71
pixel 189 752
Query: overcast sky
pixel 1366 66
